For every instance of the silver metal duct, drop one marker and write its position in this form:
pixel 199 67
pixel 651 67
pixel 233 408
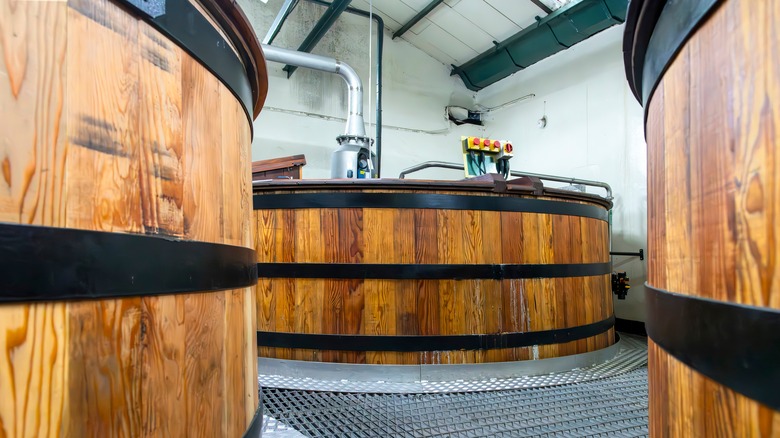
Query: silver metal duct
pixel 355 124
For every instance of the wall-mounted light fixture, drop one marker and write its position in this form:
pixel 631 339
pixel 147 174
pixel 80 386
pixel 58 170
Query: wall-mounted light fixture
pixel 541 123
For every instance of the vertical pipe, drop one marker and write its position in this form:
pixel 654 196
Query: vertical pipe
pixel 380 33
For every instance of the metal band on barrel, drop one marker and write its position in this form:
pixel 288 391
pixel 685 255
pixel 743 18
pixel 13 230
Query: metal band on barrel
pixel 429 271
pixel 255 429
pixel 51 264
pixel 655 32
pixel 735 345
pixel 431 342
pixel 426 201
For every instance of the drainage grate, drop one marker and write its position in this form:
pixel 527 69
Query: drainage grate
pixel 615 406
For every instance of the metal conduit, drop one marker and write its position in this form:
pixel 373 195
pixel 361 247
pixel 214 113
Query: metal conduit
pixel 355 124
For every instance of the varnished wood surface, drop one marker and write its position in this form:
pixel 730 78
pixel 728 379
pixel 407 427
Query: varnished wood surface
pixel 273 168
pixel 107 125
pixel 278 163
pixel 430 307
pixel 231 15
pixel 684 403
pixel 713 199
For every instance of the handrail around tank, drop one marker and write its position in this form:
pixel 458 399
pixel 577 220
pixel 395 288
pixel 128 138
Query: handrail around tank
pixel 565 179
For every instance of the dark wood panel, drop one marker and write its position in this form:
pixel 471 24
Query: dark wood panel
pixel 277 163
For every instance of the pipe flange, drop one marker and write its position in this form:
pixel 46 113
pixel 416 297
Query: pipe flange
pixel 347 138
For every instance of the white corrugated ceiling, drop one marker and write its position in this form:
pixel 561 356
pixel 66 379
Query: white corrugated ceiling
pixel 458 30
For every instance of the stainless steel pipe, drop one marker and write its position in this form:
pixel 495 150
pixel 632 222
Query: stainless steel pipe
pixel 355 123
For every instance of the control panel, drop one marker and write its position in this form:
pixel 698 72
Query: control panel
pixel 485 155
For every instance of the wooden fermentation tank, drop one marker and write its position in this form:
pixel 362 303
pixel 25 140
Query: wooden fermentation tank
pixel 708 75
pixel 414 272
pixel 127 296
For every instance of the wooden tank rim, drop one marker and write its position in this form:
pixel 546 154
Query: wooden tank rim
pixel 655 32
pixel 230 15
pixel 239 64
pixel 497 187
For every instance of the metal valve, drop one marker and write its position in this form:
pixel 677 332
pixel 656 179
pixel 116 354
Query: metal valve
pixel 620 285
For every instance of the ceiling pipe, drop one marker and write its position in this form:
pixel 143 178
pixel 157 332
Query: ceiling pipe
pixel 355 124
pixel 380 30
pixel 319 30
pixel 352 159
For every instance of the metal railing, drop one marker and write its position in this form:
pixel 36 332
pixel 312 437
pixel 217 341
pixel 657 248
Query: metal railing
pixel 563 179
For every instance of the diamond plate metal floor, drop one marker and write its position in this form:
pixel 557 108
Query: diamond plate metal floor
pixel 615 405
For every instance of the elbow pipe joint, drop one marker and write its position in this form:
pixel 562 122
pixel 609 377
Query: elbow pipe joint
pixel 355 131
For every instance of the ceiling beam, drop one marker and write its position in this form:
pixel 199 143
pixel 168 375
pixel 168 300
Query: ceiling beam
pixel 276 26
pixel 320 29
pixel 567 26
pixel 542 6
pixel 420 15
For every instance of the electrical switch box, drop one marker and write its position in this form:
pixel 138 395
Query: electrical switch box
pixel 484 155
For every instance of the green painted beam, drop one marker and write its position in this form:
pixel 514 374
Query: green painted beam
pixel 276 26
pixel 420 15
pixel 319 30
pixel 558 31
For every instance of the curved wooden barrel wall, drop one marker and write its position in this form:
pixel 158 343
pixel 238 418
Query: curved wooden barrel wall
pixel 421 230
pixel 106 124
pixel 712 134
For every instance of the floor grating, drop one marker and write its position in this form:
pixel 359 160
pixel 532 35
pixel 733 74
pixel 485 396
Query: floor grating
pixel 614 406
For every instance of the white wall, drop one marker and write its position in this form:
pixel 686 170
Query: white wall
pixel 304 114
pixel 594 131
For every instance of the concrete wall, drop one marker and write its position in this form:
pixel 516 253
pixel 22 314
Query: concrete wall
pixel 594 131
pixel 305 113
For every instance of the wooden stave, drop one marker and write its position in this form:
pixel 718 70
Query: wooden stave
pixel 136 366
pixel 705 234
